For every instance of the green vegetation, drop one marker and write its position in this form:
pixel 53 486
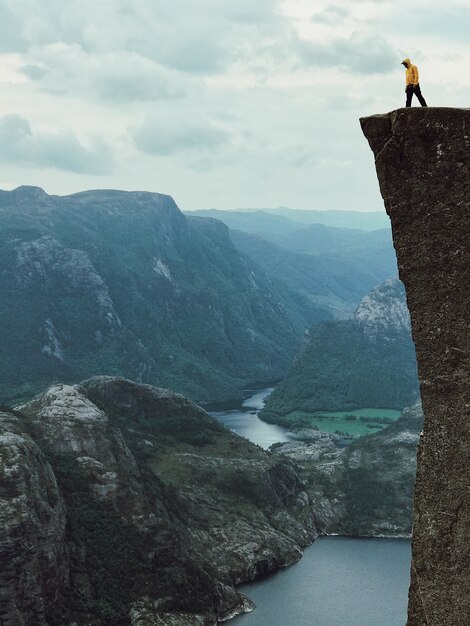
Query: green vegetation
pixel 373 479
pixel 340 371
pixel 112 550
pixel 170 429
pixel 356 422
pixel 391 414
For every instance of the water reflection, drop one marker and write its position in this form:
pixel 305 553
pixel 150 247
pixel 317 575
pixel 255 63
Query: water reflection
pixel 244 421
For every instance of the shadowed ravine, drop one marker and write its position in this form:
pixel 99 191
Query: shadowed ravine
pixel 421 157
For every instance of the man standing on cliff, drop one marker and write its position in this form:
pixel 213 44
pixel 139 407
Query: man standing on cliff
pixel 412 83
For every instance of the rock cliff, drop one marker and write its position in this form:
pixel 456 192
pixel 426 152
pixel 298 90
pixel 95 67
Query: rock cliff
pixel 124 504
pixel 423 167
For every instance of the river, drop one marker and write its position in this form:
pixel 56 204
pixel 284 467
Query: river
pixel 340 581
pixel 242 418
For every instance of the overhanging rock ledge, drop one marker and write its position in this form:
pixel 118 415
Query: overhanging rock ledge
pixel 422 157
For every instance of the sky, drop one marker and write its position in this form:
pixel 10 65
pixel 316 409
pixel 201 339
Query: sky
pixel 219 103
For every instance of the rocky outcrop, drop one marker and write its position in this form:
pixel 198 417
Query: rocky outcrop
pixel 383 314
pixel 35 563
pixel 421 157
pixel 366 487
pixel 124 504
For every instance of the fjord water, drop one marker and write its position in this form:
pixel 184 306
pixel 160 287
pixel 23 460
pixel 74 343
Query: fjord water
pixel 242 418
pixel 340 581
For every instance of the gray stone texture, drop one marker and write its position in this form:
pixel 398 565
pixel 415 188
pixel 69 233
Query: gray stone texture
pixel 423 167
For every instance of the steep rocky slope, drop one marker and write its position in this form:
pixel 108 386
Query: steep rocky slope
pixel 121 283
pixel 368 361
pixel 421 157
pixel 127 504
pixel 365 488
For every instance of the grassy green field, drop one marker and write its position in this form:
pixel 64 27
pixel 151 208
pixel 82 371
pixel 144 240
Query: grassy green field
pixel 356 422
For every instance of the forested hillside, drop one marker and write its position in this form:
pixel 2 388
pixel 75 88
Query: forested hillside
pixel 365 362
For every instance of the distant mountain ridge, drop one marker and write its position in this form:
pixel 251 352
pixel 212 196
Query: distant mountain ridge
pixel 295 218
pixel 338 281
pixel 320 239
pixel 347 264
pixel 122 283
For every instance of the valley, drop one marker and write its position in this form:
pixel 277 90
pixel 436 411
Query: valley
pixel 109 293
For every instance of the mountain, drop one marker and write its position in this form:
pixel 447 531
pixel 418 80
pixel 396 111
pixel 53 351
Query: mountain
pixel 256 221
pixel 320 239
pixel 338 281
pixel 127 504
pixel 367 362
pixel 282 219
pixel 365 488
pixel 310 237
pixel 364 220
pixel 349 261
pixel 122 283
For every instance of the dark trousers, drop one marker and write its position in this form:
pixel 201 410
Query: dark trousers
pixel 410 90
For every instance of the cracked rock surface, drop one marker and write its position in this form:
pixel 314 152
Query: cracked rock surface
pixel 128 505
pixel 423 167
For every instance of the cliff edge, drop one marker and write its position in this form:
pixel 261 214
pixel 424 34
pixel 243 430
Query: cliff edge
pixel 423 167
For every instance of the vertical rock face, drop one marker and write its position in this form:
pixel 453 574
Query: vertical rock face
pixel 33 552
pixel 423 167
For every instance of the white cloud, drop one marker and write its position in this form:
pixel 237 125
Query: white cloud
pixel 158 136
pixel 58 150
pixel 116 77
pixel 360 53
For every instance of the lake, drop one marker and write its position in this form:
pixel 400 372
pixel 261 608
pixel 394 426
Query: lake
pixel 340 581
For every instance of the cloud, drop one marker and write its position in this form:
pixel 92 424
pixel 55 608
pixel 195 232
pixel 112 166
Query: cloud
pixel 331 15
pixel 155 136
pixel 62 150
pixel 11 35
pixel 34 72
pixel 266 93
pixel 200 37
pixel 360 54
pixel 116 77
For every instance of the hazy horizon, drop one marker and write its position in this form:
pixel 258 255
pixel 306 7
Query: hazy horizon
pixel 201 208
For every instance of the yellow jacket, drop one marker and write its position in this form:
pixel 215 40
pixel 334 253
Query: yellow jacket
pixel 412 76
